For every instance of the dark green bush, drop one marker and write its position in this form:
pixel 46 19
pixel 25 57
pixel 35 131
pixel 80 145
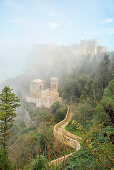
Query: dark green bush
pixel 40 163
pixel 5 163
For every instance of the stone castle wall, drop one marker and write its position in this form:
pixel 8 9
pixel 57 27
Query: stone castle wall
pixel 43 97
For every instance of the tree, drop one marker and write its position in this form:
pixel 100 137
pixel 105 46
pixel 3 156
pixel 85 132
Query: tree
pixel 73 85
pixel 104 112
pixel 8 104
pixel 103 75
pixel 60 114
pixel 55 106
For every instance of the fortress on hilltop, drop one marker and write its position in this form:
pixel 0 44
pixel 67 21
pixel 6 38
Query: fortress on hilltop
pixel 89 47
pixel 43 97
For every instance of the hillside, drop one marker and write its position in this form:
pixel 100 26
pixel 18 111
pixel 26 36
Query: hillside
pixel 82 82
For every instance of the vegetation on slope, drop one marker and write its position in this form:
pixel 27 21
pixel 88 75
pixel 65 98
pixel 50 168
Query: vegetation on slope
pixel 96 131
pixel 90 88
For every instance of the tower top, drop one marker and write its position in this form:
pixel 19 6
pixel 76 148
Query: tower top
pixel 54 83
pixel 54 78
pixel 36 81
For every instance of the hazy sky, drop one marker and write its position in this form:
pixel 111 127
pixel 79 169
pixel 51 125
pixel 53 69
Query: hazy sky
pixel 27 22
pixel 56 21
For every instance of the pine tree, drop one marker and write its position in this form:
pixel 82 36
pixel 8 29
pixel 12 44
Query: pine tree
pixel 8 104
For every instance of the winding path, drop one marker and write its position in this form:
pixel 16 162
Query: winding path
pixel 65 137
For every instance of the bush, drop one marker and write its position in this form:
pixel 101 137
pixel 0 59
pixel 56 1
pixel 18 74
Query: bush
pixel 82 159
pixel 55 106
pixel 60 114
pixel 100 116
pixel 5 163
pixel 40 163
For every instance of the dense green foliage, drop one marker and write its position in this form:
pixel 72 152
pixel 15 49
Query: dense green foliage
pixel 58 111
pixel 8 105
pixel 88 81
pixel 36 138
pixel 73 85
pixel 55 106
pixel 60 114
pixel 5 163
pixel 83 159
pixel 40 163
pixel 96 130
pixel 90 90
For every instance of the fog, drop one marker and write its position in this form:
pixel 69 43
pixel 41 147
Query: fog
pixel 13 59
pixel 57 58
pixel 38 38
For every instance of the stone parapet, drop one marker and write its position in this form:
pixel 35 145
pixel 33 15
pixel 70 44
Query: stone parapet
pixel 65 137
pixel 58 161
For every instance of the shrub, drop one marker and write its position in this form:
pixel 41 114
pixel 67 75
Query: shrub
pixel 40 163
pixel 60 114
pixel 5 163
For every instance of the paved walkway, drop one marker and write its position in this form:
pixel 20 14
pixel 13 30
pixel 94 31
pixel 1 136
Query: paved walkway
pixel 65 137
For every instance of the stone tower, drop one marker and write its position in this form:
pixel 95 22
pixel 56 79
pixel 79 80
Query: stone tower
pixel 36 87
pixel 88 47
pixel 54 83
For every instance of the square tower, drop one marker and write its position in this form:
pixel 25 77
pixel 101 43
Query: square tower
pixel 54 83
pixel 36 87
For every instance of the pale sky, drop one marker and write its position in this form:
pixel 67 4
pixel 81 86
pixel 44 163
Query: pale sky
pixel 62 22
pixel 56 21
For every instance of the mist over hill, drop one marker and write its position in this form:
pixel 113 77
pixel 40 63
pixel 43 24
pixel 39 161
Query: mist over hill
pixel 48 60
pixel 45 61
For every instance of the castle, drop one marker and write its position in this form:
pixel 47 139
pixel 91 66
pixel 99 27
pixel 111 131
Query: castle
pixel 89 47
pixel 43 97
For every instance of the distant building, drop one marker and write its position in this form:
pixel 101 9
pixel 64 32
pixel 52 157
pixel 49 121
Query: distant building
pixel 43 97
pixel 88 47
pixel 101 49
